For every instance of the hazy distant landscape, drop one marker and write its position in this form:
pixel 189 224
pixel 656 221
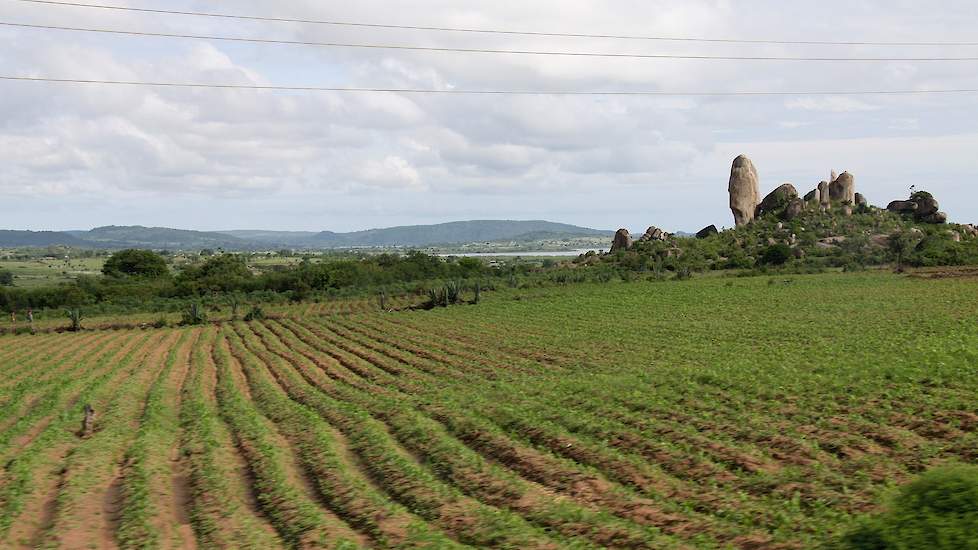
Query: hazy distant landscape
pixel 159 238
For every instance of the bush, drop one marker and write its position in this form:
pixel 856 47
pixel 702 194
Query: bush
pixel 776 254
pixel 255 314
pixel 75 318
pixel 6 278
pixel 194 315
pixel 937 511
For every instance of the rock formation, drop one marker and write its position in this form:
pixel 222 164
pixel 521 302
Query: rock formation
pixel 861 200
pixel 744 190
pixel 653 233
pixel 902 207
pixel 926 206
pixel 823 194
pixel 843 188
pixel 923 206
pixel 707 231
pixel 936 217
pixel 793 210
pixel 777 200
pixel 813 196
pixel 622 241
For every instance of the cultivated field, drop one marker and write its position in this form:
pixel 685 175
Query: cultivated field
pixel 748 413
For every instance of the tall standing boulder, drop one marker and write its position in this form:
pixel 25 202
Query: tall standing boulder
pixel 843 189
pixel 824 199
pixel 861 200
pixel 813 196
pixel 744 190
pixel 777 200
pixel 622 240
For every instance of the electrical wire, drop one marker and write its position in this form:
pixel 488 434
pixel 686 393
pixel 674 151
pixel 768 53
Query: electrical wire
pixel 480 50
pixel 496 31
pixel 452 91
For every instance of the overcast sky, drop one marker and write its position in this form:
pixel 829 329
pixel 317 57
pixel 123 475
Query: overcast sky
pixel 80 156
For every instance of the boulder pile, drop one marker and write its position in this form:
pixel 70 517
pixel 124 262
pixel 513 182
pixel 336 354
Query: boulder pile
pixel 653 233
pixel 746 204
pixel 922 206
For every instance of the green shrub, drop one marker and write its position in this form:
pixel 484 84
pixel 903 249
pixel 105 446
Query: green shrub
pixel 255 314
pixel 938 511
pixel 194 315
pixel 776 254
pixel 75 318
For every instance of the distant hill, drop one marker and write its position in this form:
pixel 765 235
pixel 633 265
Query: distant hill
pixel 137 236
pixel 464 232
pixel 39 238
pixel 286 238
pixel 455 233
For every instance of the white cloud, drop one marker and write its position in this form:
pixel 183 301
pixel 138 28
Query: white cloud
pixel 831 104
pixel 392 171
pixel 378 158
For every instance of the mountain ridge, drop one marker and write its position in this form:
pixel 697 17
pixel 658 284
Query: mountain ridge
pixel 448 233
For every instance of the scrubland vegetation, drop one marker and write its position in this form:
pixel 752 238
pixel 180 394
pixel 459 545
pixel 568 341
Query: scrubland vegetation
pixel 786 411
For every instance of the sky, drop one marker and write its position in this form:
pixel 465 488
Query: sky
pixel 77 156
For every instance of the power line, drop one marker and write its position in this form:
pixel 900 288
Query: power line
pixel 449 91
pixel 479 50
pixel 498 31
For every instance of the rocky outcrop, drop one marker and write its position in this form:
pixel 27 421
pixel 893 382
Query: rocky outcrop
pixel 823 194
pixel 777 200
pixel 707 231
pixel 926 206
pixel 922 206
pixel 902 207
pixel 744 190
pixel 843 189
pixel 861 200
pixel 653 233
pixel 622 240
pixel 793 210
pixel 813 196
pixel 935 218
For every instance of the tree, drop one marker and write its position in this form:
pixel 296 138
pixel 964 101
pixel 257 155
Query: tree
pixel 776 254
pixel 6 278
pixel 900 244
pixel 222 273
pixel 136 263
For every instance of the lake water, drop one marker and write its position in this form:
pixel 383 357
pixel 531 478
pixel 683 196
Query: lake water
pixel 526 254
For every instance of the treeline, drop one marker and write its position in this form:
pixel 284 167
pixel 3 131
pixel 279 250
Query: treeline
pixel 141 279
